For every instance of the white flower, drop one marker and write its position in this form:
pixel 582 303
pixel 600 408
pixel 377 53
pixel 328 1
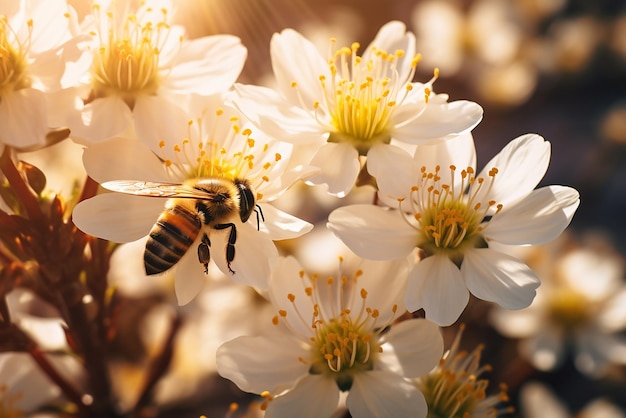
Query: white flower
pixel 332 338
pixel 453 215
pixel 218 147
pixel 580 309
pixel 340 107
pixel 141 64
pixel 35 43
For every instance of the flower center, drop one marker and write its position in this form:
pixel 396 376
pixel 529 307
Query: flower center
pixel 569 309
pixel 126 63
pixel 342 343
pixel 447 217
pixel 8 402
pixel 362 95
pixel 453 388
pixel 223 150
pixel 13 61
pixel 342 348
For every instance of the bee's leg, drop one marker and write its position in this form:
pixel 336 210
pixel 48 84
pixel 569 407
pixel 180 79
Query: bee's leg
pixel 230 246
pixel 204 254
pixel 258 212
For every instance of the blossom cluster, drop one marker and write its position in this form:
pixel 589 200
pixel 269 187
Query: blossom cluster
pixel 189 170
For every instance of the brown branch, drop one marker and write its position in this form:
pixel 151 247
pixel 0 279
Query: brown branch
pixel 69 391
pixel 24 193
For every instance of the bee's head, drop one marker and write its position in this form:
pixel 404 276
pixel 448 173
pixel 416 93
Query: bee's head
pixel 247 200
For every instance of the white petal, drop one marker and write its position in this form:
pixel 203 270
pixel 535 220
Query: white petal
pixel 313 396
pixel 497 277
pixel 522 323
pixel 254 254
pixel 459 151
pixel 602 408
pixel 394 169
pixel 521 164
pixel 126 153
pixel 256 364
pixel 48 333
pixel 189 278
pixel 339 166
pixel 47 70
pixel 436 285
pixel 413 348
pixel 384 394
pixel 49 24
pixel 545 350
pixel 280 225
pixel 206 65
pixel 539 401
pixel 101 119
pixel 285 280
pixel 607 270
pixel 274 115
pixel 385 283
pixel 613 315
pixel 439 121
pixel 117 217
pixel 593 352
pixel 158 119
pixel 541 217
pixel 23 115
pixel 391 37
pixel 373 232
pixel 294 58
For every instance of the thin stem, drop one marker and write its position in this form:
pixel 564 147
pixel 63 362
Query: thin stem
pixel 5 314
pixel 24 193
pixel 68 390
pixel 90 189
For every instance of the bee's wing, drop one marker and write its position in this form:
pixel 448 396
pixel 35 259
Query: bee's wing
pixel 154 189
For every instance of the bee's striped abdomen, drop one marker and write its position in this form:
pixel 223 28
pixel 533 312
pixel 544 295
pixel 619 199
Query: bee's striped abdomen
pixel 170 238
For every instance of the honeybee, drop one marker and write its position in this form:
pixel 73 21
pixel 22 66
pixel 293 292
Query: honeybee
pixel 192 206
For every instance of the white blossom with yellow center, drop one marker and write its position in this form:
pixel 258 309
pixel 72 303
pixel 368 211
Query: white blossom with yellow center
pixel 35 41
pixel 351 104
pixel 142 65
pixel 579 311
pixel 216 145
pixel 333 336
pixel 452 215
